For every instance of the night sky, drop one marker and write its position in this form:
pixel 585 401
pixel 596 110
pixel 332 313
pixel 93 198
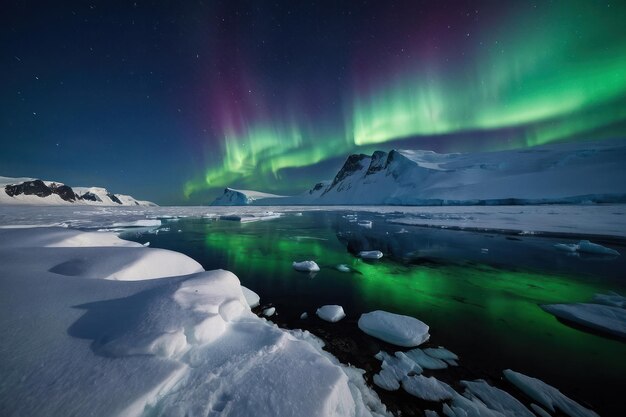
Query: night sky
pixel 171 102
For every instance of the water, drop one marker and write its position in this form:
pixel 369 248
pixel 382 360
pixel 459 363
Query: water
pixel 480 293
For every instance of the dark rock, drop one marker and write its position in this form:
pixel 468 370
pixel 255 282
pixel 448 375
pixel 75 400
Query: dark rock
pixel 89 196
pixel 378 162
pixel 316 187
pixel 352 164
pixel 114 198
pixel 36 187
pixel 64 191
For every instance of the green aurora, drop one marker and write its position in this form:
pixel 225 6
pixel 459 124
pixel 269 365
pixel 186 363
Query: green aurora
pixel 531 79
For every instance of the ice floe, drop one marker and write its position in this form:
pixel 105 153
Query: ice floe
pixel 497 399
pixel 331 313
pixel 585 246
pixel 306 266
pixel 343 268
pixel 547 395
pixel 370 254
pixel 601 317
pixel 394 328
pixel 429 389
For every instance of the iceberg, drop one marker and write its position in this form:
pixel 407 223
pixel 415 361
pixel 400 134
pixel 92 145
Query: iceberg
pixel 393 328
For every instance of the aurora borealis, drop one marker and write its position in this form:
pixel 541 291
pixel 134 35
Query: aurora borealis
pixel 273 96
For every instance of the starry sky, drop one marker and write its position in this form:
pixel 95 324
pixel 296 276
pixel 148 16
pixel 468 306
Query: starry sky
pixel 172 101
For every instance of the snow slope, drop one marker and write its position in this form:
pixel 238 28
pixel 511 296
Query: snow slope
pixel 75 344
pixel 232 197
pixel 37 192
pixel 555 173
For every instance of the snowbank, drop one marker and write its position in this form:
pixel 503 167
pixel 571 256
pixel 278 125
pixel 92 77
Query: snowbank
pixel 184 345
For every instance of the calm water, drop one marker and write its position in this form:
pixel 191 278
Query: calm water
pixel 481 304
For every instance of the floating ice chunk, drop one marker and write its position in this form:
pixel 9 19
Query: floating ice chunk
pixel 146 244
pixel 497 399
pixel 590 247
pixel 441 353
pixel 394 328
pixel 370 254
pixel 426 361
pixel 429 389
pixel 269 312
pixel 596 316
pixel 610 299
pixel 365 223
pixel 567 247
pixel 305 266
pixel 304 316
pixel 452 362
pixel 252 298
pixel 547 395
pixel 331 313
pixel 343 268
pixel 539 411
pixel 484 250
pixel 386 380
pixel 138 223
pixel 430 413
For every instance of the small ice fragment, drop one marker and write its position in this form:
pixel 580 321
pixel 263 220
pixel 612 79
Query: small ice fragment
pixel 269 312
pixel 386 380
pixel 394 328
pixel 365 223
pixel 426 361
pixel 429 389
pixel 146 244
pixel 370 254
pixel 331 313
pixel 441 353
pixel 343 268
pixel 484 250
pixel 430 413
pixel 304 316
pixel 305 266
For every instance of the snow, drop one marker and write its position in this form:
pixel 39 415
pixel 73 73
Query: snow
pixel 331 313
pixel 370 254
pixel 601 317
pixel 76 344
pixel 547 395
pixel 305 266
pixel 252 298
pixel 394 328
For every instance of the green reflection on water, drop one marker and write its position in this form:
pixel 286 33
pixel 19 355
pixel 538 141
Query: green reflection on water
pixel 475 308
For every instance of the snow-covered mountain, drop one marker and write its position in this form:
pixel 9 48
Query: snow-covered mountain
pixel 591 172
pixel 35 191
pixel 232 197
